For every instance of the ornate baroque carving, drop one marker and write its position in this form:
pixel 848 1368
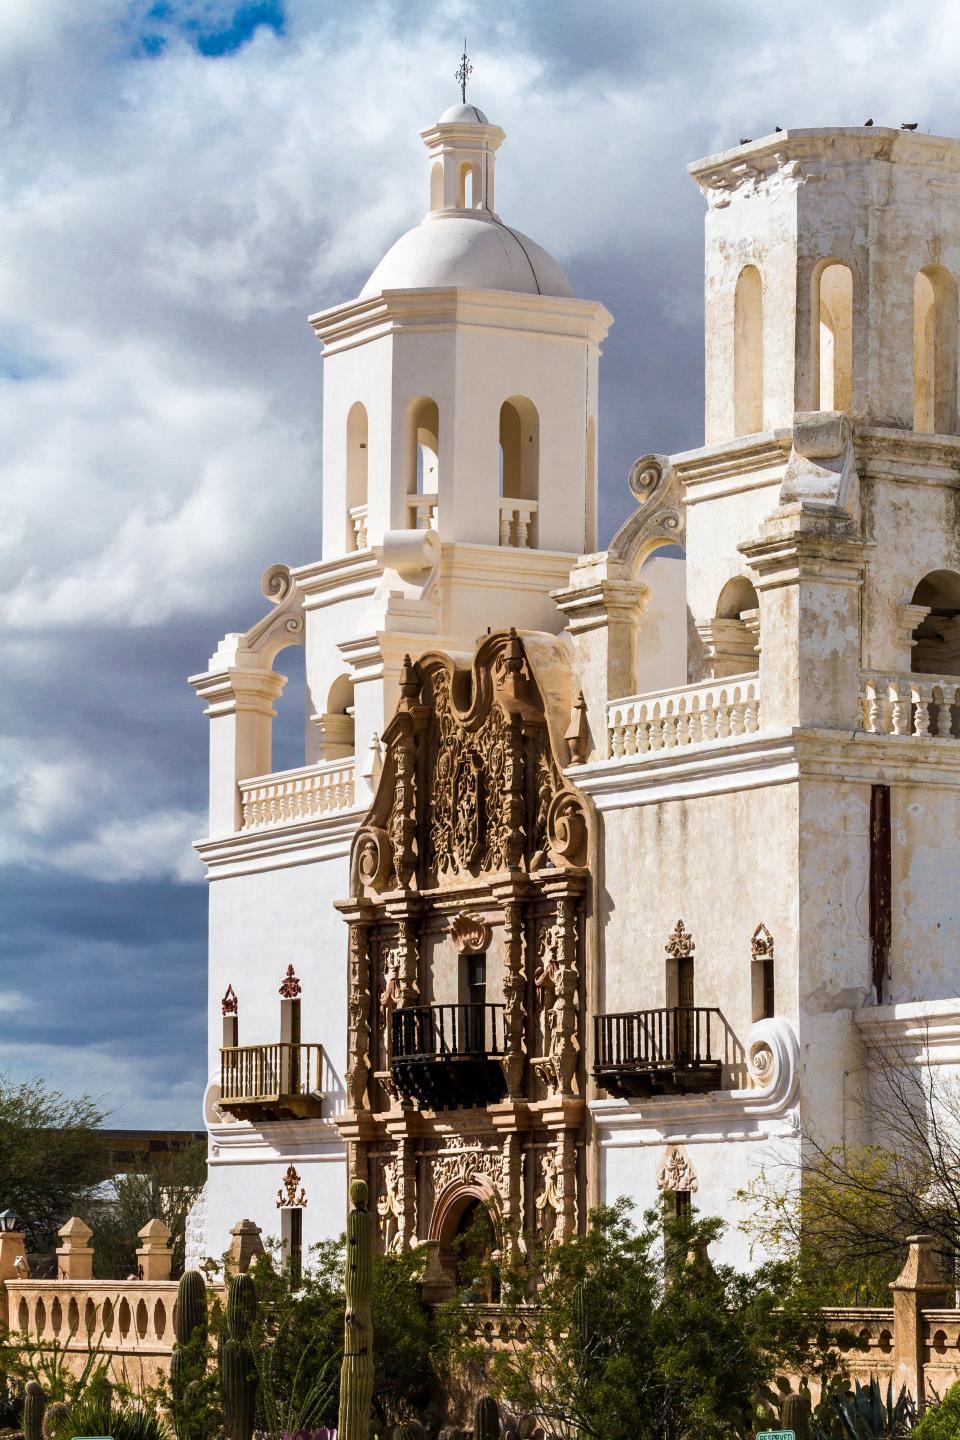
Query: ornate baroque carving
pixel 558 982
pixel 470 934
pixel 397 1205
pixel 676 1172
pixel 556 1200
pixel 460 1162
pixel 761 943
pixel 358 1038
pixel 514 994
pixel 288 1196
pixel 681 942
pixel 290 986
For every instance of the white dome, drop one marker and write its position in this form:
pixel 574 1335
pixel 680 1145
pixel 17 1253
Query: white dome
pixel 464 114
pixel 477 253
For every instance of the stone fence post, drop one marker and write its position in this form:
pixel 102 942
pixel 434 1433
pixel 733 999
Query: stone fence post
pixel 918 1287
pixel 154 1257
pixel 245 1244
pixel 75 1255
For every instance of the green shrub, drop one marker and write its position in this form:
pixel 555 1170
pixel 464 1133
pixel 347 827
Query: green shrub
pixel 941 1422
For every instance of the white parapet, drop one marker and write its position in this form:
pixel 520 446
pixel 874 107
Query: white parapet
pixel 919 705
pixel 289 797
pixel 690 715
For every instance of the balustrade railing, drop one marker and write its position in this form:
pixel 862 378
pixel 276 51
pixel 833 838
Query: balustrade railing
pixel 637 1038
pixel 926 706
pixel 270 1072
pixel 424 508
pixel 429 1032
pixel 691 715
pixel 516 519
pixel 290 796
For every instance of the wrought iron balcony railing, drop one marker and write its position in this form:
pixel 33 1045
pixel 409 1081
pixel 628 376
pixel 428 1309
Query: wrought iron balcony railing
pixel 659 1052
pixel 448 1056
pixel 271 1082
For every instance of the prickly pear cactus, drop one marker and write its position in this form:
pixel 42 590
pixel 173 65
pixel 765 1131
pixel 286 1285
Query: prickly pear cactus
pixel 34 1405
pixel 356 1373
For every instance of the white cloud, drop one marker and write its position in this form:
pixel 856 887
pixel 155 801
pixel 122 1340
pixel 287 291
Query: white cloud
pixel 137 1090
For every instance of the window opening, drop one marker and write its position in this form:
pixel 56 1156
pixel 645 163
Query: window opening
pixel 833 321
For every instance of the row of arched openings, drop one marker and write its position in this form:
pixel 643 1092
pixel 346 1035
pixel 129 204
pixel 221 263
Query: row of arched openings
pixel 935 342
pixel 518 459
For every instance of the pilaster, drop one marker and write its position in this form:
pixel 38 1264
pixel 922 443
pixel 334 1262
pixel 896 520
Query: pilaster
pixel 240 710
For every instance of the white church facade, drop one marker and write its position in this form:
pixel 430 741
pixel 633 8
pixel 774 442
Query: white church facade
pixel 603 866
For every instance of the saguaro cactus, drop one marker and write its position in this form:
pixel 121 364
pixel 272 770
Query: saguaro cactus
pixel 188 1362
pixel 34 1405
pixel 238 1379
pixel 795 1415
pixel 356 1373
pixel 486 1419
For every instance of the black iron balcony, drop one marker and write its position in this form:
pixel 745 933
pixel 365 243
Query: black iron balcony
pixel 448 1056
pixel 658 1052
pixel 271 1082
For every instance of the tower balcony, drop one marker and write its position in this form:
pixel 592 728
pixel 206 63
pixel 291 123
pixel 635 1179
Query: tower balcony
pixel 271 1082
pixel 642 1053
pixel 926 707
pixel 448 1056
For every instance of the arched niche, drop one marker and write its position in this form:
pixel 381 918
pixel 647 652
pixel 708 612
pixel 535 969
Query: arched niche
pixel 519 478
pixel 357 476
pixel 470 190
pixel 731 639
pixel 436 185
pixel 338 736
pixel 935 351
pixel 832 321
pixel 748 352
pixel 423 463
pixel 936 639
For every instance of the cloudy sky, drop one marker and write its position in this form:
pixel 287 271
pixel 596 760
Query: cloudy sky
pixel 181 183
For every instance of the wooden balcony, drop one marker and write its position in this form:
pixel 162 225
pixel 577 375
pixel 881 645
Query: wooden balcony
pixel 658 1052
pixel 271 1082
pixel 448 1056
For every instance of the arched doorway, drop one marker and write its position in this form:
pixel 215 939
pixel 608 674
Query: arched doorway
pixel 464 1222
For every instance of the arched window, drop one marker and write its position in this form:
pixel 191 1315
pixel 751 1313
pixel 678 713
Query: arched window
pixel 519 459
pixel 748 352
pixel 357 463
pixel 833 336
pixel 436 186
pixel 288 729
pixel 471 195
pixel 423 463
pixel 935 351
pixel 936 640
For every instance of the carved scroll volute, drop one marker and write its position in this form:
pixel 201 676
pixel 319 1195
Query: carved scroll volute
pixel 514 989
pixel 358 1012
pixel 567 829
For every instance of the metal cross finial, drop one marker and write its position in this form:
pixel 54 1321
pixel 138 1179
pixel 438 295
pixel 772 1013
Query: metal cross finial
pixel 465 71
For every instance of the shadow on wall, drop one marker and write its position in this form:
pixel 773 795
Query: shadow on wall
pixel 289 727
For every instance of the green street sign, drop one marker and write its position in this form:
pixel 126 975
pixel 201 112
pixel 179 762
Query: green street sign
pixel 776 1435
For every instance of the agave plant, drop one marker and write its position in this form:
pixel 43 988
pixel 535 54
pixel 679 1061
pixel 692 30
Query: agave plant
pixel 99 1412
pixel 863 1414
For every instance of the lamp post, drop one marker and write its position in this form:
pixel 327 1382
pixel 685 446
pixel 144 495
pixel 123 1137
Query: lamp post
pixel 8 1221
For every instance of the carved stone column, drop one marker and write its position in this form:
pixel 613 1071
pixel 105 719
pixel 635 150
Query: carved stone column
pixel 514 994
pixel 358 1011
pixel 566 1186
pixel 558 979
pixel 511 1196
pixel 397 1202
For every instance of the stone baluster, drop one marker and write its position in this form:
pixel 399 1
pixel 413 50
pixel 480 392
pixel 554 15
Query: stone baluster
pixel 709 721
pixel 616 736
pixel 737 724
pixel 505 520
pixel 751 715
pixel 723 717
pixel 523 526
pixel 630 736
pixel 695 724
pixel 921 717
pixel 683 728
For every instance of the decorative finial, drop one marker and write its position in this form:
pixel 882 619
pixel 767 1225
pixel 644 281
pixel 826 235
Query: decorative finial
pixel 290 986
pixel 465 71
